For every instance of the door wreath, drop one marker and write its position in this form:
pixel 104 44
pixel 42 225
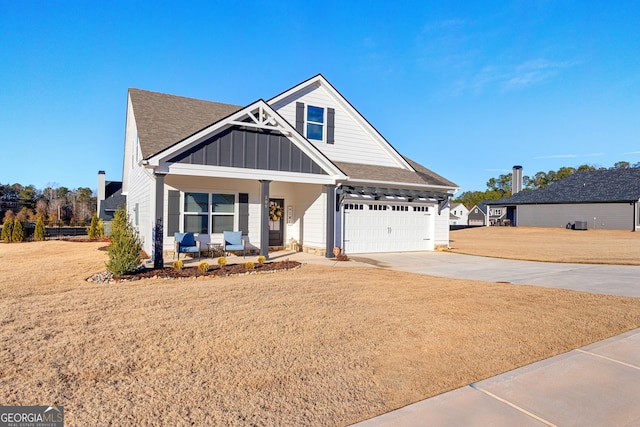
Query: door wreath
pixel 275 212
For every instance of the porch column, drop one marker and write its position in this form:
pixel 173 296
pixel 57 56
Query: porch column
pixel 158 229
pixel 330 191
pixel 264 218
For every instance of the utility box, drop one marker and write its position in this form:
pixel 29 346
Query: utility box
pixel 580 225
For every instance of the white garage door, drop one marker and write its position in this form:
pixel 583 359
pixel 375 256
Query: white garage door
pixel 382 227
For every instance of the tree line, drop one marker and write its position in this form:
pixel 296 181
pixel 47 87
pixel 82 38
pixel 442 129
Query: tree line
pixel 55 205
pixel 500 187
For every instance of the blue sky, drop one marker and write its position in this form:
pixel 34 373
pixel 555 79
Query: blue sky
pixel 468 89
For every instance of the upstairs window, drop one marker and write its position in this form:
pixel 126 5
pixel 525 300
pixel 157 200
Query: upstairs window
pixel 315 123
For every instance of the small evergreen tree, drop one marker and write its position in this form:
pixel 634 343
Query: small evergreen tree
pixel 7 229
pixel 125 247
pixel 93 231
pixel 17 235
pixel 100 229
pixel 39 234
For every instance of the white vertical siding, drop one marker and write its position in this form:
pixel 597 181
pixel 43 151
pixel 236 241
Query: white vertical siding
pixel 441 227
pixel 612 216
pixel 352 142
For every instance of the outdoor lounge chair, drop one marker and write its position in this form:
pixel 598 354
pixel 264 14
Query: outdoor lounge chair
pixel 233 241
pixel 185 243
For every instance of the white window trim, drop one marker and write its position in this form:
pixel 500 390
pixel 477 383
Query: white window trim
pixel 323 124
pixel 209 214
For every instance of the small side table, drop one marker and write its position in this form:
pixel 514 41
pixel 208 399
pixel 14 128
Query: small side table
pixel 215 249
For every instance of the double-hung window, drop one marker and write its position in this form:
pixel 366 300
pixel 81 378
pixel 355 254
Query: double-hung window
pixel 196 213
pixel 206 213
pixel 315 123
pixel 222 212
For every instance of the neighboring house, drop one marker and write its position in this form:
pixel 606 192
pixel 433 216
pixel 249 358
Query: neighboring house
pixel 497 215
pixel 606 199
pixel 304 166
pixel 478 215
pixel 459 214
pixel 110 197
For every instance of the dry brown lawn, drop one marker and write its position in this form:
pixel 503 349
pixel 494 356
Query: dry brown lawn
pixel 550 244
pixel 313 346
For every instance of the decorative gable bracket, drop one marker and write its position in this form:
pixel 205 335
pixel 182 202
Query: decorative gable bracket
pixel 260 118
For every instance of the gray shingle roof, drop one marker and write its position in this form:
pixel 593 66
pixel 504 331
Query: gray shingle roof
pixel 111 204
pixel 422 176
pixel 164 120
pixel 601 186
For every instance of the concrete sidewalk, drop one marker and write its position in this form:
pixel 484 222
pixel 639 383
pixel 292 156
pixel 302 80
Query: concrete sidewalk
pixel 596 385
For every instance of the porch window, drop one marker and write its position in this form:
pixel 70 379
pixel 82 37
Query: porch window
pixel 315 122
pixel 196 210
pixel 222 212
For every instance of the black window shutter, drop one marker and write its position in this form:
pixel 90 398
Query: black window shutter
pixel 173 214
pixel 331 125
pixel 300 117
pixel 243 213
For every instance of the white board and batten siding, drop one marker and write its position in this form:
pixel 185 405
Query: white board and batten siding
pixel 612 216
pixel 382 227
pixel 352 144
pixel 442 227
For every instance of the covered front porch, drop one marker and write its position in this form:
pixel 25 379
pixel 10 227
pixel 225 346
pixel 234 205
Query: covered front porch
pixel 272 215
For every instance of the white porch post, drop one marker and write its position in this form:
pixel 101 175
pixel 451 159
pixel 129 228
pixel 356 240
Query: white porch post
pixel 158 229
pixel 264 218
pixel 330 191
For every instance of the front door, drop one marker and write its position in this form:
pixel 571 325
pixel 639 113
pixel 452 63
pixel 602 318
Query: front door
pixel 276 222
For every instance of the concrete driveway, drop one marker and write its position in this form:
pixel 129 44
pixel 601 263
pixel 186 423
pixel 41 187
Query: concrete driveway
pixel 604 279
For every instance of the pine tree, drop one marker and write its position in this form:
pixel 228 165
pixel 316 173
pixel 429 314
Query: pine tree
pixel 125 247
pixel 17 235
pixel 7 229
pixel 39 234
pixel 93 230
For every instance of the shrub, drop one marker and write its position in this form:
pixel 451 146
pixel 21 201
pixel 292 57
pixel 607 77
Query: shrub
pixel 249 265
pixel 7 229
pixel 178 264
pixel 203 267
pixel 39 234
pixel 262 259
pixel 222 261
pixel 93 231
pixel 17 235
pixel 125 247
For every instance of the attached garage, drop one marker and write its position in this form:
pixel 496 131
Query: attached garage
pixel 387 227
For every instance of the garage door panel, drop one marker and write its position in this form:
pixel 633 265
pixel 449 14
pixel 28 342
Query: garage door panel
pixel 398 228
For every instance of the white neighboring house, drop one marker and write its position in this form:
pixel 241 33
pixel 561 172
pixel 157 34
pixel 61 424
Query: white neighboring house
pixel 459 214
pixel 204 167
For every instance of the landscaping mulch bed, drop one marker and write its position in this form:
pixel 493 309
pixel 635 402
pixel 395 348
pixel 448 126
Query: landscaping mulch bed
pixel 194 273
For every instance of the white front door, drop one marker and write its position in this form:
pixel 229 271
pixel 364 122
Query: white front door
pixel 385 227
